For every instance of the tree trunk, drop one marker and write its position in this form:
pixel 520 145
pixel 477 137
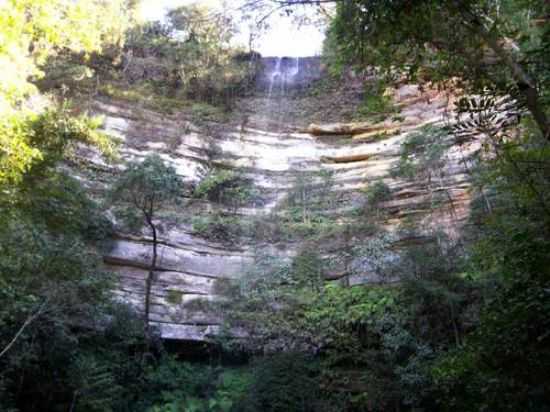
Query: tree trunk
pixel 526 86
pixel 150 276
pixel 455 326
pixel 27 322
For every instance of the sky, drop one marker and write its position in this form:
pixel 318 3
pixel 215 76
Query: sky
pixel 283 38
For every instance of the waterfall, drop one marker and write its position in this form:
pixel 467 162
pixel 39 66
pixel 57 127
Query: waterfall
pixel 295 70
pixel 274 75
pixel 283 75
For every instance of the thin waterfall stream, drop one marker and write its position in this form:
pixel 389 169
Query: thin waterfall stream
pixel 282 77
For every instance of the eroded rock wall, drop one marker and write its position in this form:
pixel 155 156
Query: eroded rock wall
pixel 271 139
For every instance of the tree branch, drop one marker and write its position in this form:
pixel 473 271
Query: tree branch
pixel 27 322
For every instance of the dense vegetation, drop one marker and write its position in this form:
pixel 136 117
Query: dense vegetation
pixel 455 324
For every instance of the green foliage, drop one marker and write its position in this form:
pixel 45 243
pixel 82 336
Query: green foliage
pixel 32 32
pixel 174 297
pixel 219 227
pixel 53 286
pixel 207 112
pixel 512 333
pixel 315 226
pixel 193 57
pixel 224 186
pixel 376 104
pixel 444 40
pixel 377 193
pixel 307 207
pixel 283 382
pixel 96 383
pixel 261 282
pixel 144 95
pixel 35 143
pixel 17 155
pixel 509 253
pixel 178 386
pixel 307 269
pixel 61 204
pixel 206 46
pixel 37 189
pixel 342 307
pixel 423 154
pixel 148 185
pixel 212 181
pixel 353 328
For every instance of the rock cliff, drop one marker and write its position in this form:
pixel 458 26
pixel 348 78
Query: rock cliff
pixel 292 130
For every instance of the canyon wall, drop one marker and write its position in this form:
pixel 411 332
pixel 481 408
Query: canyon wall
pixel 292 130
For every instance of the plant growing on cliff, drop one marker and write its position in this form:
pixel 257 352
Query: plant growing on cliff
pixel 308 205
pixel 219 227
pixel 224 186
pixel 148 186
pixel 423 155
pixel 423 160
pixel 376 104
pixel 377 193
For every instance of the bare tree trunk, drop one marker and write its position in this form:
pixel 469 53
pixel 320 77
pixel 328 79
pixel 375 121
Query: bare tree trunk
pixel 527 86
pixel 73 402
pixel 27 322
pixel 347 256
pixel 304 205
pixel 150 276
pixel 455 326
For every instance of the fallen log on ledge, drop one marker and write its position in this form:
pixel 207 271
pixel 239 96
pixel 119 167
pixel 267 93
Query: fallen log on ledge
pixel 374 135
pixel 359 130
pixel 346 159
pixel 339 128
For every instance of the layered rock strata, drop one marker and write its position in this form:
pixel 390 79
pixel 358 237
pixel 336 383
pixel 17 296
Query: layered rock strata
pixel 271 142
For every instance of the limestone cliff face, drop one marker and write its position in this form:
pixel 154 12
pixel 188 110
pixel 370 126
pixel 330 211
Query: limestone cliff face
pixel 271 138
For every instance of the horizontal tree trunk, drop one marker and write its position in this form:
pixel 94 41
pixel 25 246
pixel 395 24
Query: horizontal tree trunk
pixel 346 159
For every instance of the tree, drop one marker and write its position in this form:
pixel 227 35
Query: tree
pixel 54 292
pixel 31 32
pixel 34 143
pixel 206 63
pixel 148 186
pixel 283 382
pixel 192 55
pixel 488 44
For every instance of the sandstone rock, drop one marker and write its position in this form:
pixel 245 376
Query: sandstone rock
pixel 269 153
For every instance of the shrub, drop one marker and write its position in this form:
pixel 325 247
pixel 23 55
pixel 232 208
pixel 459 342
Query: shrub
pixel 377 193
pixel 286 382
pixel 219 227
pixel 224 186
